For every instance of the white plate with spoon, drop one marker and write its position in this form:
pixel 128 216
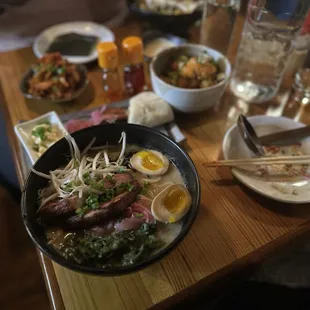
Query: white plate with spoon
pixel 279 182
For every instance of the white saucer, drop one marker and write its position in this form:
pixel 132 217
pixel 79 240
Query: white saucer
pixel 45 38
pixel 234 147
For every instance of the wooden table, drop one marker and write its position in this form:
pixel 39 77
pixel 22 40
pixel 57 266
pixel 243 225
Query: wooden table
pixel 235 229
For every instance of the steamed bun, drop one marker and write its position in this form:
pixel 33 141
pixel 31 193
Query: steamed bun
pixel 150 110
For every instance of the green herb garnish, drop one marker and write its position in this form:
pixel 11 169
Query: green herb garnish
pixel 86 178
pixel 92 202
pixel 110 179
pixel 51 68
pixel 67 187
pixel 145 188
pixel 120 248
pixel 61 70
pixel 138 215
pixel 108 194
pixel 39 132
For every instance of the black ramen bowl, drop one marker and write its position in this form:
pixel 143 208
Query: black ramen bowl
pixel 82 85
pixel 57 156
pixel 176 23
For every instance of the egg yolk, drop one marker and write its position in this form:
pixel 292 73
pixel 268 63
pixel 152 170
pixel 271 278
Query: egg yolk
pixel 151 161
pixel 175 201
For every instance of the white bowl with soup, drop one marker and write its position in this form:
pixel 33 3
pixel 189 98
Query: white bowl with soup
pixel 189 100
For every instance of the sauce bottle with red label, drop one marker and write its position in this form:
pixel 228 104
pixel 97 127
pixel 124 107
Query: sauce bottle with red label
pixel 134 78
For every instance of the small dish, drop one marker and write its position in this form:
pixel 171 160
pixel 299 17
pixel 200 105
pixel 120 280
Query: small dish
pixel 155 41
pixel 284 189
pixel 23 86
pixel 184 99
pixel 22 131
pixel 45 38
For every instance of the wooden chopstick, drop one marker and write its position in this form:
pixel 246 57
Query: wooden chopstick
pixel 292 160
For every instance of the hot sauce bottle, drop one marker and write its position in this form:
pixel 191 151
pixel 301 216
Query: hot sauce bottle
pixel 108 62
pixel 134 78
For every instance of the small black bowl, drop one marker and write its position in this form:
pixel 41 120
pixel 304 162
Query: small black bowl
pixel 57 156
pixel 166 21
pixel 23 86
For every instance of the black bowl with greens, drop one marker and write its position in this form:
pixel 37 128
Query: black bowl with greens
pixel 84 246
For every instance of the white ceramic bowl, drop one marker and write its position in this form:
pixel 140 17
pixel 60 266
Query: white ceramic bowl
pixel 182 99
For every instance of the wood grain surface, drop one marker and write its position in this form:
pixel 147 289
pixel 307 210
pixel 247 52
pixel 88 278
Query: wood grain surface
pixel 234 230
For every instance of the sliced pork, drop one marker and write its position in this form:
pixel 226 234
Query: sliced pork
pixel 59 209
pixel 106 211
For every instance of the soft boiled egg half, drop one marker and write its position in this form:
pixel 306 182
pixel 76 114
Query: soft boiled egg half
pixel 150 162
pixel 171 204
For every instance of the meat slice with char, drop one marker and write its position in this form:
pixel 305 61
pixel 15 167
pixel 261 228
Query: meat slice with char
pixel 117 180
pixel 121 178
pixel 106 211
pixel 59 210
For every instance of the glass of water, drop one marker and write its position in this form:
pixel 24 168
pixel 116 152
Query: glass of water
pixel 270 27
pixel 217 24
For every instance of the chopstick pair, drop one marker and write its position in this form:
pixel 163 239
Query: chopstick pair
pixel 292 160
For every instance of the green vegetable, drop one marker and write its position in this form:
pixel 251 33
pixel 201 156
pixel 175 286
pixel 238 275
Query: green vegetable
pixel 110 178
pixel 68 187
pixel 80 211
pixel 61 70
pixel 108 194
pixel 51 68
pixel 118 249
pixel 138 215
pixel 124 187
pixel 39 132
pixel 86 178
pixel 92 202
pixel 145 188
pixel 183 58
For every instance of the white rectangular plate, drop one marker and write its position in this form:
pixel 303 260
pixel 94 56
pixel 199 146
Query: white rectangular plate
pixel 23 131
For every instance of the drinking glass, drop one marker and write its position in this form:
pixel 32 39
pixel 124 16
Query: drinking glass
pixel 218 20
pixel 270 28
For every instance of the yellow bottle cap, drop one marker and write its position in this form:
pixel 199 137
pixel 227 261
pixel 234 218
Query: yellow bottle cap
pixel 107 55
pixel 133 50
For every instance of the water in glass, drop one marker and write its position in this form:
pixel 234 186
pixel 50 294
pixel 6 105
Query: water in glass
pixel 266 42
pixel 218 22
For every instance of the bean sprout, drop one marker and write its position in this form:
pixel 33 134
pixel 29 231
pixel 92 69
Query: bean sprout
pixel 121 155
pixel 87 148
pixel 41 174
pixel 106 158
pixel 72 179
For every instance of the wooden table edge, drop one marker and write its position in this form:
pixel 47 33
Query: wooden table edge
pixel 209 286
pixel 230 275
pixel 49 275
